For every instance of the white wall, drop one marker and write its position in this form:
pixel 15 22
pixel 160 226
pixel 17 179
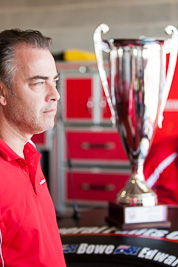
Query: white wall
pixel 71 23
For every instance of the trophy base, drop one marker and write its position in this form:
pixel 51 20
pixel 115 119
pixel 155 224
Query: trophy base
pixel 137 217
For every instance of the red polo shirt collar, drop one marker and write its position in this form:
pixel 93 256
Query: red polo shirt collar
pixel 7 152
pixel 10 155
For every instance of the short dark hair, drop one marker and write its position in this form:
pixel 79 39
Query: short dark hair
pixel 9 40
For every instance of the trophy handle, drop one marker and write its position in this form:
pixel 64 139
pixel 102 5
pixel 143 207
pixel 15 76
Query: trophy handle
pixel 100 46
pixel 170 30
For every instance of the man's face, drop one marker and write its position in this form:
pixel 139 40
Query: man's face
pixel 32 100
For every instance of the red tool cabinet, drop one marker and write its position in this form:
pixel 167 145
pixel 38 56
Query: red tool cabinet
pixel 95 166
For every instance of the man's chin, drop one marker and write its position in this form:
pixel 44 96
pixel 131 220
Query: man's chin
pixel 44 129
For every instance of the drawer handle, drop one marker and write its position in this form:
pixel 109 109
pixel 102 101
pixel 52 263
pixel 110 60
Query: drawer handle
pixel 107 146
pixel 99 187
pixel 90 105
pixel 103 105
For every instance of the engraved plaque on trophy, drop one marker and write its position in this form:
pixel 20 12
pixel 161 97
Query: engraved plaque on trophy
pixel 136 93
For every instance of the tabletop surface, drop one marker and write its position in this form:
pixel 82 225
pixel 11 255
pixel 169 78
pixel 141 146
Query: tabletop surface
pixel 97 217
pixel 89 240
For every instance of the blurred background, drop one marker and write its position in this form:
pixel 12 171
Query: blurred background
pixel 71 23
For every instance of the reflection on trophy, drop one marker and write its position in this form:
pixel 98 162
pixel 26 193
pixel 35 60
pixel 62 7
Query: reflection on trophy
pixel 137 90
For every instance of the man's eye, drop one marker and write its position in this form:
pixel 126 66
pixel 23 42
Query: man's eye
pixel 38 83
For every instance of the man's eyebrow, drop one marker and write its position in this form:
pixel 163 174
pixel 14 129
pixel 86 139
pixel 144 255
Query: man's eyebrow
pixel 43 77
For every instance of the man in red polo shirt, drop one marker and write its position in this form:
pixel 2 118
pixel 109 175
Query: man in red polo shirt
pixel 28 102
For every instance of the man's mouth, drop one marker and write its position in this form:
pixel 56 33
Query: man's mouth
pixel 53 110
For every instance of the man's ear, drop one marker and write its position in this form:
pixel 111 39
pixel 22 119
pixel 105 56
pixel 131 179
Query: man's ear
pixel 3 89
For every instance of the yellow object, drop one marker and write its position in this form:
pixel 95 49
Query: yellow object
pixel 78 55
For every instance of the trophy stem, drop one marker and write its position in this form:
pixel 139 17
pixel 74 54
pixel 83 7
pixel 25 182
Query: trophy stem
pixel 136 192
pixel 137 170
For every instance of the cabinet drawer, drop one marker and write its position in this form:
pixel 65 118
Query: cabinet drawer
pixel 94 185
pixel 78 99
pixel 95 145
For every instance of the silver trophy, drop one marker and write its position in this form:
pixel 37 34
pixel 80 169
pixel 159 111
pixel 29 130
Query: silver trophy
pixel 136 86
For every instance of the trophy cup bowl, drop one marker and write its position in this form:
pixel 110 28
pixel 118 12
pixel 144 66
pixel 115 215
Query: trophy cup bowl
pixel 136 92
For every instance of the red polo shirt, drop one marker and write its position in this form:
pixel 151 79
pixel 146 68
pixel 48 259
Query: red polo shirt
pixel 28 229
